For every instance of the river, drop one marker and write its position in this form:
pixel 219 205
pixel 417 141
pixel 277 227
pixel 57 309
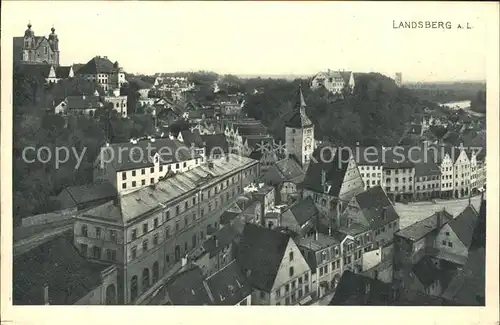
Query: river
pixel 464 104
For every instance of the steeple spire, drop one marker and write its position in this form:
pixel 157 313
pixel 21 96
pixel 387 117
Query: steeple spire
pixel 300 102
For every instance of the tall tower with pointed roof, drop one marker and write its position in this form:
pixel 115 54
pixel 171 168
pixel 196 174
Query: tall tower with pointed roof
pixel 299 132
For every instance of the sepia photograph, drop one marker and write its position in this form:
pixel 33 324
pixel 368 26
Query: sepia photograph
pixel 249 154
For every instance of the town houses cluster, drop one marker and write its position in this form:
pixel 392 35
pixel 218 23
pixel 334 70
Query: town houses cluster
pixel 229 223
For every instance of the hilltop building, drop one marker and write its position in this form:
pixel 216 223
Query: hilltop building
pixel 31 49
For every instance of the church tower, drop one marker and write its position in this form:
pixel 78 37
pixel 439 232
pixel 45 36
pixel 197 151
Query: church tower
pixel 54 44
pixel 299 132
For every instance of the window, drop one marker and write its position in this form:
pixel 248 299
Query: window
pixel 186 222
pixel 155 239
pixel 161 168
pixel 450 244
pixel 145 245
pixel 152 169
pixel 167 232
pixel 167 215
pixel 143 171
pixel 144 228
pixel 111 255
pixel 124 185
pixel 143 182
pixel 83 249
pixel 97 252
pixel 306 288
pixel 177 225
pixel 177 210
pixel 112 236
pixel 134 183
pixel 97 232
pixel 134 234
pixel 176 166
pixel 124 175
pixel 291 256
pixel 306 277
pixel 262 295
pixel 287 287
pixel 447 233
pixel 444 243
pixel 85 232
pixel 291 271
pixel 133 173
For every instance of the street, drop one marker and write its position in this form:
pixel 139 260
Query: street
pixel 414 212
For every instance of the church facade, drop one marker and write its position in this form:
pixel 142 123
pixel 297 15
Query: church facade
pixel 31 49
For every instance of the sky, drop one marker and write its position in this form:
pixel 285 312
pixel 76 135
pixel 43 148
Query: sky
pixel 264 38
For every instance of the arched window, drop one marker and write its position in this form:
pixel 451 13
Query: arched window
pixel 111 295
pixel 133 288
pixel 85 231
pixel 156 271
pixel 145 279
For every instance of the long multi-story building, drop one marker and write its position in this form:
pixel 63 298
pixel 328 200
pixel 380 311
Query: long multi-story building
pixel 147 232
pixel 131 166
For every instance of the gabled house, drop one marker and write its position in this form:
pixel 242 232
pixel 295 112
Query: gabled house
pixel 273 263
pixel 455 238
pixel 333 183
pixel 357 290
pixel 301 217
pixel 372 208
pixel 417 240
pixel 230 286
pixel 79 105
pixel 427 277
pixel 286 175
pixel 217 251
pixel 323 254
pixel 193 141
pixel 64 72
pixel 216 145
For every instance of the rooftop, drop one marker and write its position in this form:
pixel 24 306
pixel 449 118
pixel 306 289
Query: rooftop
pixel 56 263
pixel 156 196
pixel 422 228
pixel 298 117
pixel 261 251
pixel 464 225
pixel 318 242
pixel 229 286
pixel 128 156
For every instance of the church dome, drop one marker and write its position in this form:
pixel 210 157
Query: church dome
pixel 29 32
pixel 53 35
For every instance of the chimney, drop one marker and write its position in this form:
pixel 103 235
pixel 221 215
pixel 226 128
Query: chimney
pixel 46 294
pixel 384 213
pixel 439 221
pixel 316 235
pixel 216 241
pixel 211 165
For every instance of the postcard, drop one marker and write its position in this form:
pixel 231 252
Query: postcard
pixel 283 154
